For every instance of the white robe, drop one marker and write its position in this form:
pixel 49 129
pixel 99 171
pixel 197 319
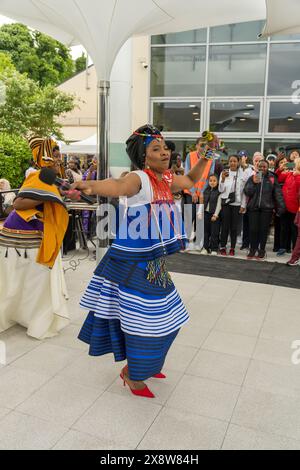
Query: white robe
pixel 32 295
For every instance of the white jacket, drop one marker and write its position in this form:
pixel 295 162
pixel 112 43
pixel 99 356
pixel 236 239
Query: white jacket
pixel 228 187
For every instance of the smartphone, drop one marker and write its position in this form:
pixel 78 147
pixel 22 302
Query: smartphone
pixel 259 174
pixel 290 166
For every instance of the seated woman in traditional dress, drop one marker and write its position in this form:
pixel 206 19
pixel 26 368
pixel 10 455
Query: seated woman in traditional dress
pixel 7 198
pixel 32 287
pixel 135 311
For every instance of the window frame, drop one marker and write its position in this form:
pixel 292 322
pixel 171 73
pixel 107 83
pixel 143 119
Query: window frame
pixel 278 135
pixel 180 100
pixel 235 135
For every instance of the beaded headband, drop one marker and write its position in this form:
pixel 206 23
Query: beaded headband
pixel 155 136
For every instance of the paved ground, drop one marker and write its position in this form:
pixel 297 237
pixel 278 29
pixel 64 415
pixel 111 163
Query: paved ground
pixel 231 383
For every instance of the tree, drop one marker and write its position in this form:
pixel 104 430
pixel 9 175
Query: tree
pixel 80 63
pixel 30 108
pixel 42 58
pixel 15 156
pixel 5 62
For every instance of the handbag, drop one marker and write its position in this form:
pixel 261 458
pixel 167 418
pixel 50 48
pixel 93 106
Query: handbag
pixel 231 197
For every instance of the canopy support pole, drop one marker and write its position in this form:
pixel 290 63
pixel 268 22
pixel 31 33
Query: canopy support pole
pixel 103 160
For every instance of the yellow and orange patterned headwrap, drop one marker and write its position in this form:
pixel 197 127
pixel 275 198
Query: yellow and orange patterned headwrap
pixel 42 151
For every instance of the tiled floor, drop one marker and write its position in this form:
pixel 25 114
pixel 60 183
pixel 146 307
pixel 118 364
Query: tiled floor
pixel 230 380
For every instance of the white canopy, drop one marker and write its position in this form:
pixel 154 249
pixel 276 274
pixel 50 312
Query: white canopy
pixel 283 17
pixel 87 146
pixel 103 26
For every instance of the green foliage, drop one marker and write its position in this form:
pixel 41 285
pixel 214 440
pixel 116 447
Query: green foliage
pixel 5 62
pixel 42 58
pixel 29 108
pixel 80 63
pixel 15 156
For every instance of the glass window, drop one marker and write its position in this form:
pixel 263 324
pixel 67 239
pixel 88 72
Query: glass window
pixel 286 37
pixel 274 145
pixel 237 32
pixel 185 37
pixel 284 117
pixel 177 117
pixel 234 117
pixel 184 146
pixel 234 146
pixel 237 70
pixel 178 71
pixel 284 68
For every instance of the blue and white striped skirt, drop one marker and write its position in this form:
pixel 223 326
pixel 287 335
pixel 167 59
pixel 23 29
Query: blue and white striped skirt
pixel 145 355
pixel 137 325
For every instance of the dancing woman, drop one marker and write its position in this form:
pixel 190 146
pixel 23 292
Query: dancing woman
pixel 135 311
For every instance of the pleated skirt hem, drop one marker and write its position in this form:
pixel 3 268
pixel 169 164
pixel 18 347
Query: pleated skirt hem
pixel 145 355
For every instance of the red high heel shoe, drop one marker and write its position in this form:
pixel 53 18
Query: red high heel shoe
pixel 156 376
pixel 144 392
pixel 159 376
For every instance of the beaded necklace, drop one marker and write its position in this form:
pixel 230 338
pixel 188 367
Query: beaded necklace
pixel 162 194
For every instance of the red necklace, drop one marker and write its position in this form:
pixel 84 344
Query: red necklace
pixel 161 188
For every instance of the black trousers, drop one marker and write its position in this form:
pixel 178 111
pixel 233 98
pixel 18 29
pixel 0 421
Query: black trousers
pixel 277 230
pixel 187 199
pixel 230 224
pixel 288 231
pixel 259 224
pixel 211 233
pixel 246 235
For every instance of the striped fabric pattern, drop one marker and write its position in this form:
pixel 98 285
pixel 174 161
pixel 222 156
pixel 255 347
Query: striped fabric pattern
pixel 145 356
pixel 40 195
pixel 11 238
pixel 131 315
pixel 139 314
pixel 162 237
pixel 42 150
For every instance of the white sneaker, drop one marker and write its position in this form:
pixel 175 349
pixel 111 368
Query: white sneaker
pixel 204 252
pixel 214 253
pixel 190 247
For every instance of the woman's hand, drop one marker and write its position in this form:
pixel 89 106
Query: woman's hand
pixel 242 210
pixel 225 175
pixel 195 198
pixel 73 194
pixel 214 218
pixel 83 186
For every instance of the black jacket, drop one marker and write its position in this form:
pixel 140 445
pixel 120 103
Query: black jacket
pixel 266 195
pixel 211 196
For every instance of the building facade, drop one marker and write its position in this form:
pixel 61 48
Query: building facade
pixel 227 80
pixel 221 78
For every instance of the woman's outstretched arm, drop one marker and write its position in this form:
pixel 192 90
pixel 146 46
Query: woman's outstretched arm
pixel 188 181
pixel 128 186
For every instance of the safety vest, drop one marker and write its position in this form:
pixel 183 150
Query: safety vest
pixel 199 186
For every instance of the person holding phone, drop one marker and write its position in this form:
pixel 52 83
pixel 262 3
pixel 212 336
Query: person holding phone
pixel 231 187
pixel 247 172
pixel 271 159
pixel 295 259
pixel 264 195
pixel 294 154
pixel 288 175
